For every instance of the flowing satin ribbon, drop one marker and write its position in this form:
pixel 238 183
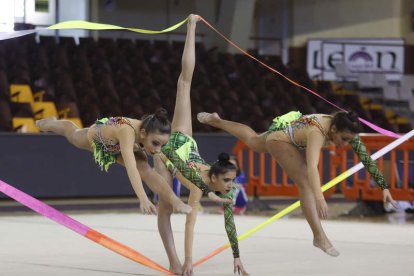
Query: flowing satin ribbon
pixel 324 188
pixel 371 125
pixel 83 230
pixel 85 25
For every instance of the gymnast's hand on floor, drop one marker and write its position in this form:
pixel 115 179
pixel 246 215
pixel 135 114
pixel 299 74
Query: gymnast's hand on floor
pixel 213 197
pixel 238 267
pixel 188 267
pixel 146 206
pixel 322 208
pixel 387 198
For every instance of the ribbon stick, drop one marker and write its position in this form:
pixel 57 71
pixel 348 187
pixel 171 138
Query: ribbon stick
pixel 324 188
pixel 85 25
pixel 68 222
pixel 371 125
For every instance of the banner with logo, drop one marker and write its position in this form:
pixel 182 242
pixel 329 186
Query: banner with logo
pixel 360 56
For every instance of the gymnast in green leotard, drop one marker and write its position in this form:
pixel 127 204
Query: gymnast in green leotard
pixel 180 157
pixel 284 140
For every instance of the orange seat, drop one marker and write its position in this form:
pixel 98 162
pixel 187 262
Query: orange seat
pixel 69 111
pixel 25 125
pixel 44 109
pixel 21 93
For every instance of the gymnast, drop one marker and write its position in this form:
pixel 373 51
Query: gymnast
pixel 284 140
pixel 126 141
pixel 180 157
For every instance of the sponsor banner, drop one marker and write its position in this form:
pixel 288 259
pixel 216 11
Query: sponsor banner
pixel 361 56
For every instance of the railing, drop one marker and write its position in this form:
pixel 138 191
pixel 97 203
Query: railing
pixel 266 178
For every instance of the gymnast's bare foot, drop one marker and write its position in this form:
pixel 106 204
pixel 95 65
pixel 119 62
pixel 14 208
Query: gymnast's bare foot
pixel 180 207
pixel 208 118
pixel 42 124
pixel 326 246
pixel 176 269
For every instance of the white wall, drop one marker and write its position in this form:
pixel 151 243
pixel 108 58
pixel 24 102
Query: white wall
pixel 73 10
pixel 40 18
pixel 345 18
pixel 271 21
pixel 67 10
pixel 153 14
pixel 294 21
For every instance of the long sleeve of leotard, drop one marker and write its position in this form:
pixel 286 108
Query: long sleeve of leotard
pixel 370 165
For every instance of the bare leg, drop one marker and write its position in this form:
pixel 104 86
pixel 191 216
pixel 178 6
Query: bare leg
pixel 194 201
pixel 166 233
pixel 159 185
pixel 182 111
pixel 243 132
pixel 75 135
pixel 293 163
pixel 164 222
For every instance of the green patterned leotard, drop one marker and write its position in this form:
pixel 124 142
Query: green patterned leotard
pixel 293 120
pixel 105 151
pixel 182 153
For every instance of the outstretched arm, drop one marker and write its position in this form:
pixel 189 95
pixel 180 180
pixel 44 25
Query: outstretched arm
pixel 232 235
pixel 360 149
pixel 126 137
pixel 371 166
pixel 231 226
pixel 314 145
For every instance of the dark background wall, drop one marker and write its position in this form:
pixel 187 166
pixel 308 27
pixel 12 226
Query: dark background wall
pixel 47 166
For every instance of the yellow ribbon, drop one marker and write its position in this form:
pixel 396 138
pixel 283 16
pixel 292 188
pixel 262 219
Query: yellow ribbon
pixel 282 213
pixel 79 24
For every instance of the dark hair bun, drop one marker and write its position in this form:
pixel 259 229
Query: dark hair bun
pixel 352 116
pixel 157 122
pixel 223 157
pixel 161 113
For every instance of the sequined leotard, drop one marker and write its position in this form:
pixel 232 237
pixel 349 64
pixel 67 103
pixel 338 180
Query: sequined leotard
pixel 106 151
pixel 294 120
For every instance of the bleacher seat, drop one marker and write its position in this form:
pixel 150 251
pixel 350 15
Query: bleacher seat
pixel 131 77
pixel 21 109
pixel 44 109
pixel 25 125
pixel 69 111
pixel 21 93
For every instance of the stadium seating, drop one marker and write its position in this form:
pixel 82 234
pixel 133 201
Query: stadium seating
pixel 107 77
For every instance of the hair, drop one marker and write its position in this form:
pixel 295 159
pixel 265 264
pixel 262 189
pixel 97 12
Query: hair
pixel 234 158
pixel 222 165
pixel 157 122
pixel 346 121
